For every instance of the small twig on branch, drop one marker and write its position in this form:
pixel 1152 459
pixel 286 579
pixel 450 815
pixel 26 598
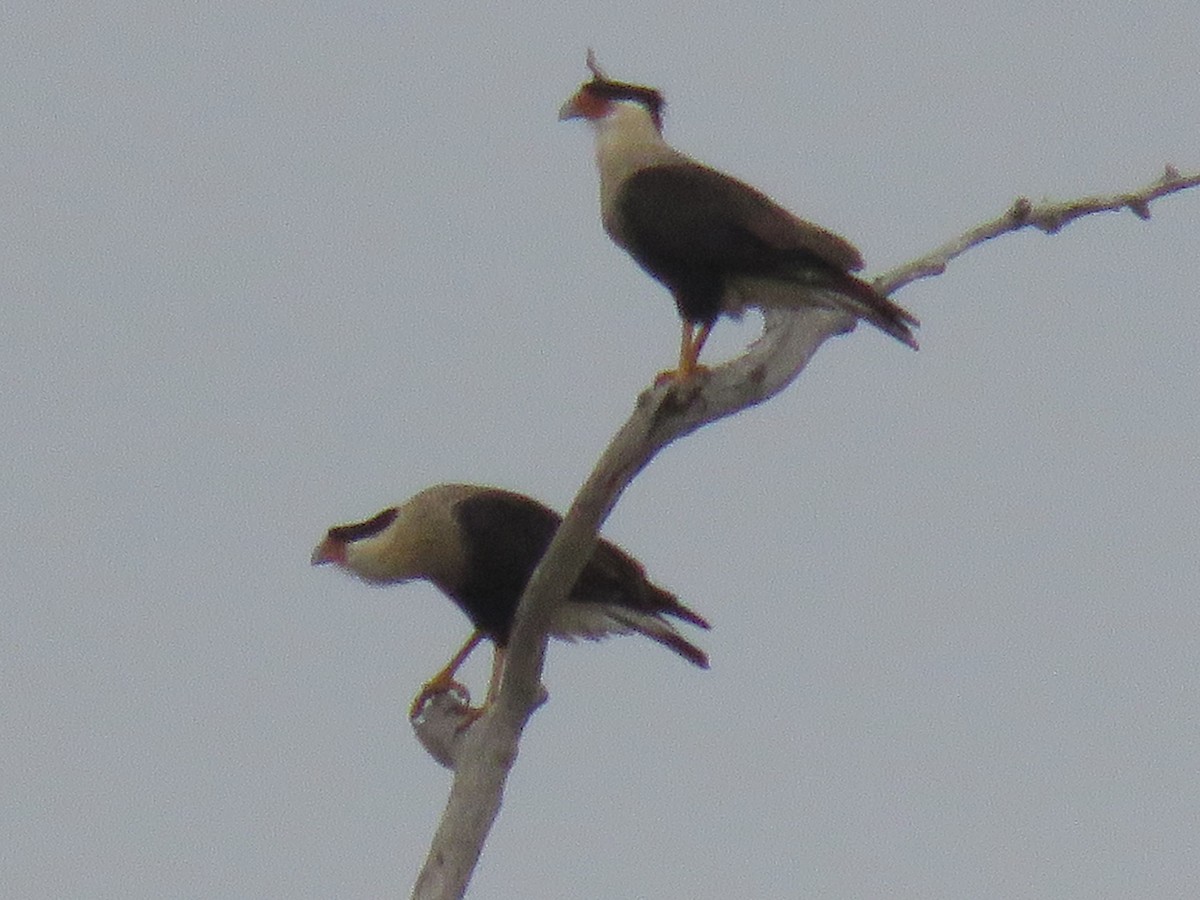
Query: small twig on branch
pixel 483 755
pixel 1049 217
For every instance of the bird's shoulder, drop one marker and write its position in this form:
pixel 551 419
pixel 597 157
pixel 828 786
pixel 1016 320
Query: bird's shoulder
pixel 689 200
pixel 499 518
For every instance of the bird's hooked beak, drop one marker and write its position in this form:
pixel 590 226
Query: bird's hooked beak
pixel 329 551
pixel 570 109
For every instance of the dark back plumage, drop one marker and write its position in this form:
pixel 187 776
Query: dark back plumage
pixel 505 535
pixel 695 229
pixel 692 228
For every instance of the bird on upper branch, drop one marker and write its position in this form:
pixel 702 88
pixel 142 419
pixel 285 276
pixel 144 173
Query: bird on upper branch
pixel 717 244
pixel 479 546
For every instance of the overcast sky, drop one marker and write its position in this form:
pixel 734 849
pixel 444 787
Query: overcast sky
pixel 269 267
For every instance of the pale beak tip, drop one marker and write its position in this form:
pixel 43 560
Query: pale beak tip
pixel 321 555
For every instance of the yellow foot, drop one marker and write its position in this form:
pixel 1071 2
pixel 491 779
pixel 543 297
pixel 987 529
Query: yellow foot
pixel 680 376
pixel 472 715
pixel 431 689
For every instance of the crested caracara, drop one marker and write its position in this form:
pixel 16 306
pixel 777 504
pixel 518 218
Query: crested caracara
pixel 479 546
pixel 717 244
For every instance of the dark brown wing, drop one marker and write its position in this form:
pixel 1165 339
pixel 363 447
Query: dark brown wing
pixel 686 214
pixel 506 535
pixel 694 229
pixel 613 576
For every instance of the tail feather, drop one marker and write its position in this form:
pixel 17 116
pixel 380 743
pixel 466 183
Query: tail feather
pixel 683 647
pixel 867 303
pixel 828 287
pixel 660 630
pixel 593 621
pixel 666 603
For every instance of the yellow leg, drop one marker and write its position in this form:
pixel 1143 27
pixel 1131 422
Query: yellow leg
pixel 689 351
pixel 444 680
pixel 691 365
pixel 474 713
pixel 685 348
pixel 498 657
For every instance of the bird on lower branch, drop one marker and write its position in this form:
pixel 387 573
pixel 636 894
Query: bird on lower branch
pixel 479 546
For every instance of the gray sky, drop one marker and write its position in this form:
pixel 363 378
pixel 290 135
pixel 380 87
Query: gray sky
pixel 268 268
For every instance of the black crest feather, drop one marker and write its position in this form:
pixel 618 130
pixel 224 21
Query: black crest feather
pixel 605 87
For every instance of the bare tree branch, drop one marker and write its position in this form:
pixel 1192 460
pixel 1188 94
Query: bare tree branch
pixel 1050 217
pixel 483 755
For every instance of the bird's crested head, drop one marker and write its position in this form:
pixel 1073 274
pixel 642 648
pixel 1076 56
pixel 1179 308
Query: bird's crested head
pixel 419 538
pixel 353 546
pixel 597 99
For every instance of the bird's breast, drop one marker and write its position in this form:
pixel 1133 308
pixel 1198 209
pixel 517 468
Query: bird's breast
pixel 610 218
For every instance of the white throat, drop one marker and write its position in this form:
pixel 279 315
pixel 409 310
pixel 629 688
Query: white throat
pixel 626 141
